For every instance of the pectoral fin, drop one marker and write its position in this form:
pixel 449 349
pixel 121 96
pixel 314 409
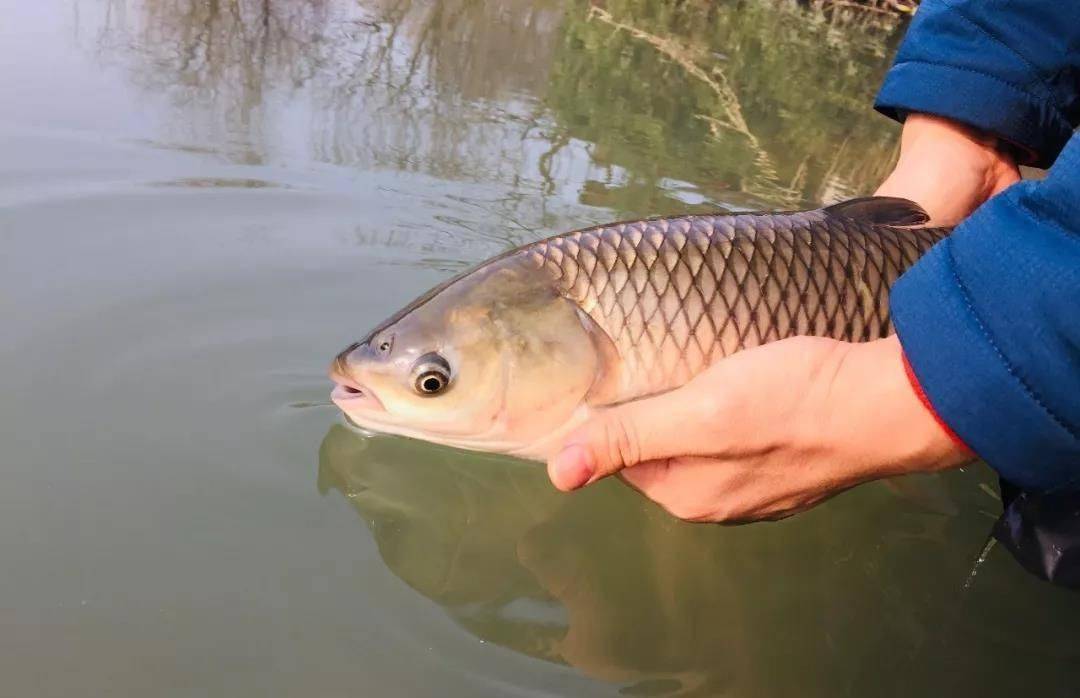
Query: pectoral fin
pixel 607 385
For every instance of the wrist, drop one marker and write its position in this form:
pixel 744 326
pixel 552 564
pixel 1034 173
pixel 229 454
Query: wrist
pixel 918 125
pixel 949 168
pixel 927 137
pixel 890 431
pixel 917 388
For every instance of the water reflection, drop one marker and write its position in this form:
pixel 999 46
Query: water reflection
pixel 607 583
pixel 639 106
pixel 760 99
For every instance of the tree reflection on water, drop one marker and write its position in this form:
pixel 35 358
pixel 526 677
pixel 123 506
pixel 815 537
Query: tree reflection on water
pixel 639 106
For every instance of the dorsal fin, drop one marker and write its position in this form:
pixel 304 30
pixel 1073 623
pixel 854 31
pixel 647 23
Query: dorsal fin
pixel 881 210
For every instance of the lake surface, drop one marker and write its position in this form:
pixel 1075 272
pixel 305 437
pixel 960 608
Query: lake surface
pixel 202 201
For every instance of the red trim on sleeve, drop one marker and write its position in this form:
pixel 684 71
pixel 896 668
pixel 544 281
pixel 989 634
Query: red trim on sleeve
pixel 930 408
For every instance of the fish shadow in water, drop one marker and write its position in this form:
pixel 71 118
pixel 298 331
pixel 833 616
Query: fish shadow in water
pixel 606 582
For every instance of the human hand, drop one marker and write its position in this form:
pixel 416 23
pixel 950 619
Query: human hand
pixel 765 433
pixel 948 168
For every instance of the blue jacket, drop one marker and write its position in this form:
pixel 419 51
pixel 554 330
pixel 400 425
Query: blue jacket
pixel 990 318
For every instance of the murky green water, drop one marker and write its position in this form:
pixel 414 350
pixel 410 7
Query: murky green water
pixel 201 201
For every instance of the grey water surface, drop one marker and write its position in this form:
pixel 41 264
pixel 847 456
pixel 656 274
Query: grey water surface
pixel 201 201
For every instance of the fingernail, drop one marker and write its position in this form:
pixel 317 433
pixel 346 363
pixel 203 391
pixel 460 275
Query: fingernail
pixel 572 467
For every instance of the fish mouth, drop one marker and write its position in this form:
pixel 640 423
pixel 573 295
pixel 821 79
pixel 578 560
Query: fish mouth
pixel 349 394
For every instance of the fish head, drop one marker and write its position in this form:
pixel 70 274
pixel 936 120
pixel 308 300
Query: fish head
pixel 493 361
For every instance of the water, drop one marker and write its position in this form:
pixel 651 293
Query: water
pixel 201 201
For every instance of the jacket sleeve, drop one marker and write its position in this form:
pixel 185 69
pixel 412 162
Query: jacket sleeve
pixel 1010 67
pixel 989 321
pixel 990 318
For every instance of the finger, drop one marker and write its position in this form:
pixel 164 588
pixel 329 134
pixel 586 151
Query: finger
pixel 673 424
pixel 709 489
pixel 702 489
pixel 682 486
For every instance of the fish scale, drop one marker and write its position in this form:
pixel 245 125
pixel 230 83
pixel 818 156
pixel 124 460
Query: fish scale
pixel 675 295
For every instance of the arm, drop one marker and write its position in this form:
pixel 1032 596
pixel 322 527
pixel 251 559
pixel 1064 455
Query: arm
pixel 990 322
pixel 1010 68
pixel 988 319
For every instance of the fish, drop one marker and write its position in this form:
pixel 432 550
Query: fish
pixel 511 355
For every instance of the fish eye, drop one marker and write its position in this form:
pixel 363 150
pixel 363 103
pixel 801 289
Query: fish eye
pixel 431 374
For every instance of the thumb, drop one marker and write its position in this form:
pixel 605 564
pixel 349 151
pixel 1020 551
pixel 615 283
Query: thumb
pixel 623 436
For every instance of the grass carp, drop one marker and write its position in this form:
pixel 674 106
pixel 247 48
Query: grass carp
pixel 511 355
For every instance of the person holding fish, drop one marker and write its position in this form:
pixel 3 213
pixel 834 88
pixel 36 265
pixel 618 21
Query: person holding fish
pixel 745 367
